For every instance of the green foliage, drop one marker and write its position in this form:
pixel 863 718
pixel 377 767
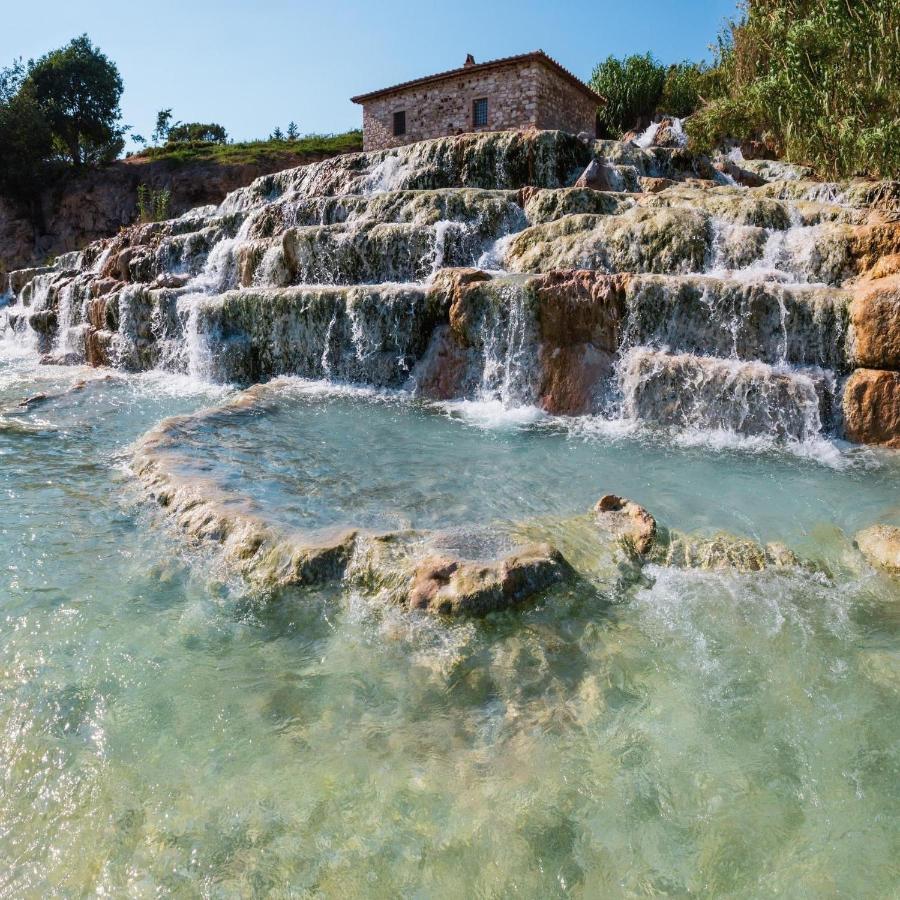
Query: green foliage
pixel 78 90
pixel 277 135
pixel 201 132
pixel 632 87
pixel 292 131
pixel 683 89
pixel 153 205
pixel 163 123
pixel 819 80
pixel 26 147
pixel 311 146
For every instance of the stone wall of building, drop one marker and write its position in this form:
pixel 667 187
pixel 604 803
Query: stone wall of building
pixel 520 95
pixel 561 106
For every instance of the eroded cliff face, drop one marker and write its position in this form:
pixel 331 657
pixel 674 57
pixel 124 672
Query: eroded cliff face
pixel 95 204
pixel 471 267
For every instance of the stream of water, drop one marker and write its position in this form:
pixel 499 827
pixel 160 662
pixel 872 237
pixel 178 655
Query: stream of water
pixel 164 731
pixel 167 730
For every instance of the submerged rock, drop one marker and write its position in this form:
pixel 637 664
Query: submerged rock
pixel 722 552
pixel 880 544
pixel 626 520
pixel 451 586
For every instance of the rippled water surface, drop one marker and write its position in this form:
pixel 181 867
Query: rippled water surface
pixel 163 732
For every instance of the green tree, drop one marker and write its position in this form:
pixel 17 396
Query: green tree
pixel 202 132
pixel 163 123
pixel 276 135
pixel 293 132
pixel 26 145
pixel 632 88
pixel 78 90
pixel 682 89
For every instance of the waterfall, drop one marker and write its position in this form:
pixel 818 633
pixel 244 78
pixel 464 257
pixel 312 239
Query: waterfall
pixel 198 345
pixel 748 398
pixel 721 309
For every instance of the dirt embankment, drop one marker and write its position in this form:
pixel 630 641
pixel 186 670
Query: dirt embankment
pixel 96 203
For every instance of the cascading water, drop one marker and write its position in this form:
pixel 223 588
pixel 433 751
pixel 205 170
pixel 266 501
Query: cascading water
pixel 264 708
pixel 235 291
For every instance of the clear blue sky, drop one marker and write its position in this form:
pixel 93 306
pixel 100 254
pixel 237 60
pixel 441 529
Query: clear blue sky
pixel 254 65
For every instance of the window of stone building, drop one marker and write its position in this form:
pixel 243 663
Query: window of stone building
pixel 400 123
pixel 480 112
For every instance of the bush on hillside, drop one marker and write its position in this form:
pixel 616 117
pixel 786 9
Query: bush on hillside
pixel 196 133
pixel 26 141
pixel 57 113
pixel 686 84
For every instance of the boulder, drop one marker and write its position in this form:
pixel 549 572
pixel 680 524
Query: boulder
pixel 741 176
pixel 651 185
pixel 875 321
pixel 626 520
pixel 598 176
pixel 580 314
pixel 869 244
pixel 447 585
pixel 872 407
pixel 880 544
pixel 669 134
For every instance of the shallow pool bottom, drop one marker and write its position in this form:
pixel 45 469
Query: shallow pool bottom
pixel 693 733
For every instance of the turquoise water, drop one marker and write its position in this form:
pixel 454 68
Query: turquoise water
pixel 164 732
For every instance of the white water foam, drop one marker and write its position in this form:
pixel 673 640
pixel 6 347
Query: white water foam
pixel 493 414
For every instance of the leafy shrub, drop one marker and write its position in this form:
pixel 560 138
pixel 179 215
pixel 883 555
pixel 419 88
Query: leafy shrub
pixel 632 88
pixel 818 79
pixel 682 91
pixel 153 205
pixel 196 132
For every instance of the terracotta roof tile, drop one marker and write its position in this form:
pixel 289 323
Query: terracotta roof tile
pixel 535 56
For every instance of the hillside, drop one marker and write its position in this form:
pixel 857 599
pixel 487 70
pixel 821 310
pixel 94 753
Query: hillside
pixel 96 203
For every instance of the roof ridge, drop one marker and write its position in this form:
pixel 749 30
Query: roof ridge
pixel 536 55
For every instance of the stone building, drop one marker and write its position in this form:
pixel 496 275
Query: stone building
pixel 517 92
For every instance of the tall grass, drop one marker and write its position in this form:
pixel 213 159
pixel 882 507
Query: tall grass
pixel 818 80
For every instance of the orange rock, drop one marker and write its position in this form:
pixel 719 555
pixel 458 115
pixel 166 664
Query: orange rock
pixel 875 319
pixel 887 265
pixel 447 586
pixel 442 374
pixel 580 314
pixel 871 243
pixel 872 407
pixel 626 519
pixel 651 185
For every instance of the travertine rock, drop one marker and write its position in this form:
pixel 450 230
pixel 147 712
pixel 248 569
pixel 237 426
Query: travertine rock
pixel 872 407
pixel 627 520
pixel 880 544
pixel 450 586
pixel 875 320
